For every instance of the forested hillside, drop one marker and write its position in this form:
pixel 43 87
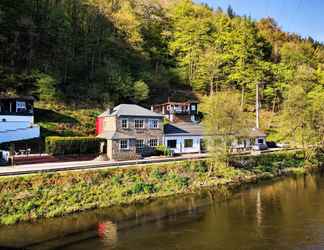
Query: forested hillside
pixel 102 52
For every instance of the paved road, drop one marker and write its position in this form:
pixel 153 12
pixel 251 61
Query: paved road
pixel 82 165
pixel 88 165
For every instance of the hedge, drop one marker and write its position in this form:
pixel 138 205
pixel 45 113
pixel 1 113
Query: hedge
pixel 56 145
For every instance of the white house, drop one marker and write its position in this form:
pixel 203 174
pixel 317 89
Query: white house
pixel 184 137
pixel 17 119
pixel 249 139
pixel 188 137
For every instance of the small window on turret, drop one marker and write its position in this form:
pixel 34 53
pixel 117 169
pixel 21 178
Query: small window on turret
pixel 21 106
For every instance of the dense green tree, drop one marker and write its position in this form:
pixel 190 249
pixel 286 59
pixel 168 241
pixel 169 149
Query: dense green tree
pixel 141 91
pixel 302 121
pixel 223 121
pixel 97 50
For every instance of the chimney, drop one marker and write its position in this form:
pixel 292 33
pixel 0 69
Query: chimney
pixel 108 111
pixel 152 108
pixel 171 117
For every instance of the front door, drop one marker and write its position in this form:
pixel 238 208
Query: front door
pixel 203 147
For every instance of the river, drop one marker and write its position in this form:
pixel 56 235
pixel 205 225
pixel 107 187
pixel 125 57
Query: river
pixel 286 214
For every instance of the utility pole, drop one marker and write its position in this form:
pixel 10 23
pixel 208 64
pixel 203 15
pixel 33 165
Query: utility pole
pixel 257 106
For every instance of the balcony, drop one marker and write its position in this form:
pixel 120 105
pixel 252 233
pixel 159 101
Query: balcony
pixel 19 134
pixel 24 113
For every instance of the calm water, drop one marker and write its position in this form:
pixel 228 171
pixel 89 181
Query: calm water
pixel 287 214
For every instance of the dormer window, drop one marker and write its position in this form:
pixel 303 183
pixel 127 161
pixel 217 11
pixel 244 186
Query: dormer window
pixel 124 123
pixel 139 124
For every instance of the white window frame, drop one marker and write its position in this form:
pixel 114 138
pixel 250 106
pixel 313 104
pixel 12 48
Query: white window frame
pixel 127 123
pixel 139 149
pixel 155 144
pixel 21 106
pixel 151 123
pixel 138 120
pixel 120 144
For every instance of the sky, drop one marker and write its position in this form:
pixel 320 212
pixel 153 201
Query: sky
pixel 304 17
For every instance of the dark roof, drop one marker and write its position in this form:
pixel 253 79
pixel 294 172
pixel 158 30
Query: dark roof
pixel 189 128
pixel 176 103
pixel 131 110
pixel 26 98
pixel 183 128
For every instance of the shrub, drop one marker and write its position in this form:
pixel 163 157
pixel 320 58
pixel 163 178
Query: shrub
pixel 141 187
pixel 163 150
pixel 200 167
pixel 180 181
pixel 72 145
pixel 157 174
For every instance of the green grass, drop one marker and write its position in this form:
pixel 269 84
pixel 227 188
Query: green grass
pixel 63 120
pixel 25 198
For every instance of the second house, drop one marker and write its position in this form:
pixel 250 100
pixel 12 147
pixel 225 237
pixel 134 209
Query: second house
pixel 131 131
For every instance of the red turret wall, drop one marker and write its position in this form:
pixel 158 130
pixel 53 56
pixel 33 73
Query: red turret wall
pixel 99 125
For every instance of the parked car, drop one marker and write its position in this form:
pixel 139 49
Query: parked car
pixel 272 144
pixel 282 145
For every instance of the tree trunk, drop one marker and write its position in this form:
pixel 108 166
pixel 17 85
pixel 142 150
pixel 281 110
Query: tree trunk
pixel 211 87
pixel 242 98
pixel 273 111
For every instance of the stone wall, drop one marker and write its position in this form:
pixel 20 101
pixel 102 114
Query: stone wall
pixel 124 155
pixel 146 133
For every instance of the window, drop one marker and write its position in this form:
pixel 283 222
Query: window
pixel 124 123
pixel 124 144
pixel 172 143
pixel 21 106
pixel 188 143
pixel 260 141
pixel 154 124
pixel 139 123
pixel 193 107
pixel 153 143
pixel 139 145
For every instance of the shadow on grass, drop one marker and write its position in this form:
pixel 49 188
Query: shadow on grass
pixel 47 115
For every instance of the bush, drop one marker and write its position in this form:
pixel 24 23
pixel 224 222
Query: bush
pixel 200 167
pixel 142 187
pixel 163 150
pixel 157 174
pixel 72 145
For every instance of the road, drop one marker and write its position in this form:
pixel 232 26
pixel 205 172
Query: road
pixel 87 165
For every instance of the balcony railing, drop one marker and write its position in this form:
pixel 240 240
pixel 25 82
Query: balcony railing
pixel 26 113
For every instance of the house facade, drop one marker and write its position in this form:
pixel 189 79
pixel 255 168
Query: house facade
pixel 249 139
pixel 178 111
pixel 184 137
pixel 188 137
pixel 17 119
pixel 131 131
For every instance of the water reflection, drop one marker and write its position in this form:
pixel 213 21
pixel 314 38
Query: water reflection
pixel 288 214
pixel 107 233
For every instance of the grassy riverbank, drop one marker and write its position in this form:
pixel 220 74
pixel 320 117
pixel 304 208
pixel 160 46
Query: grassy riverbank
pixel 30 197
